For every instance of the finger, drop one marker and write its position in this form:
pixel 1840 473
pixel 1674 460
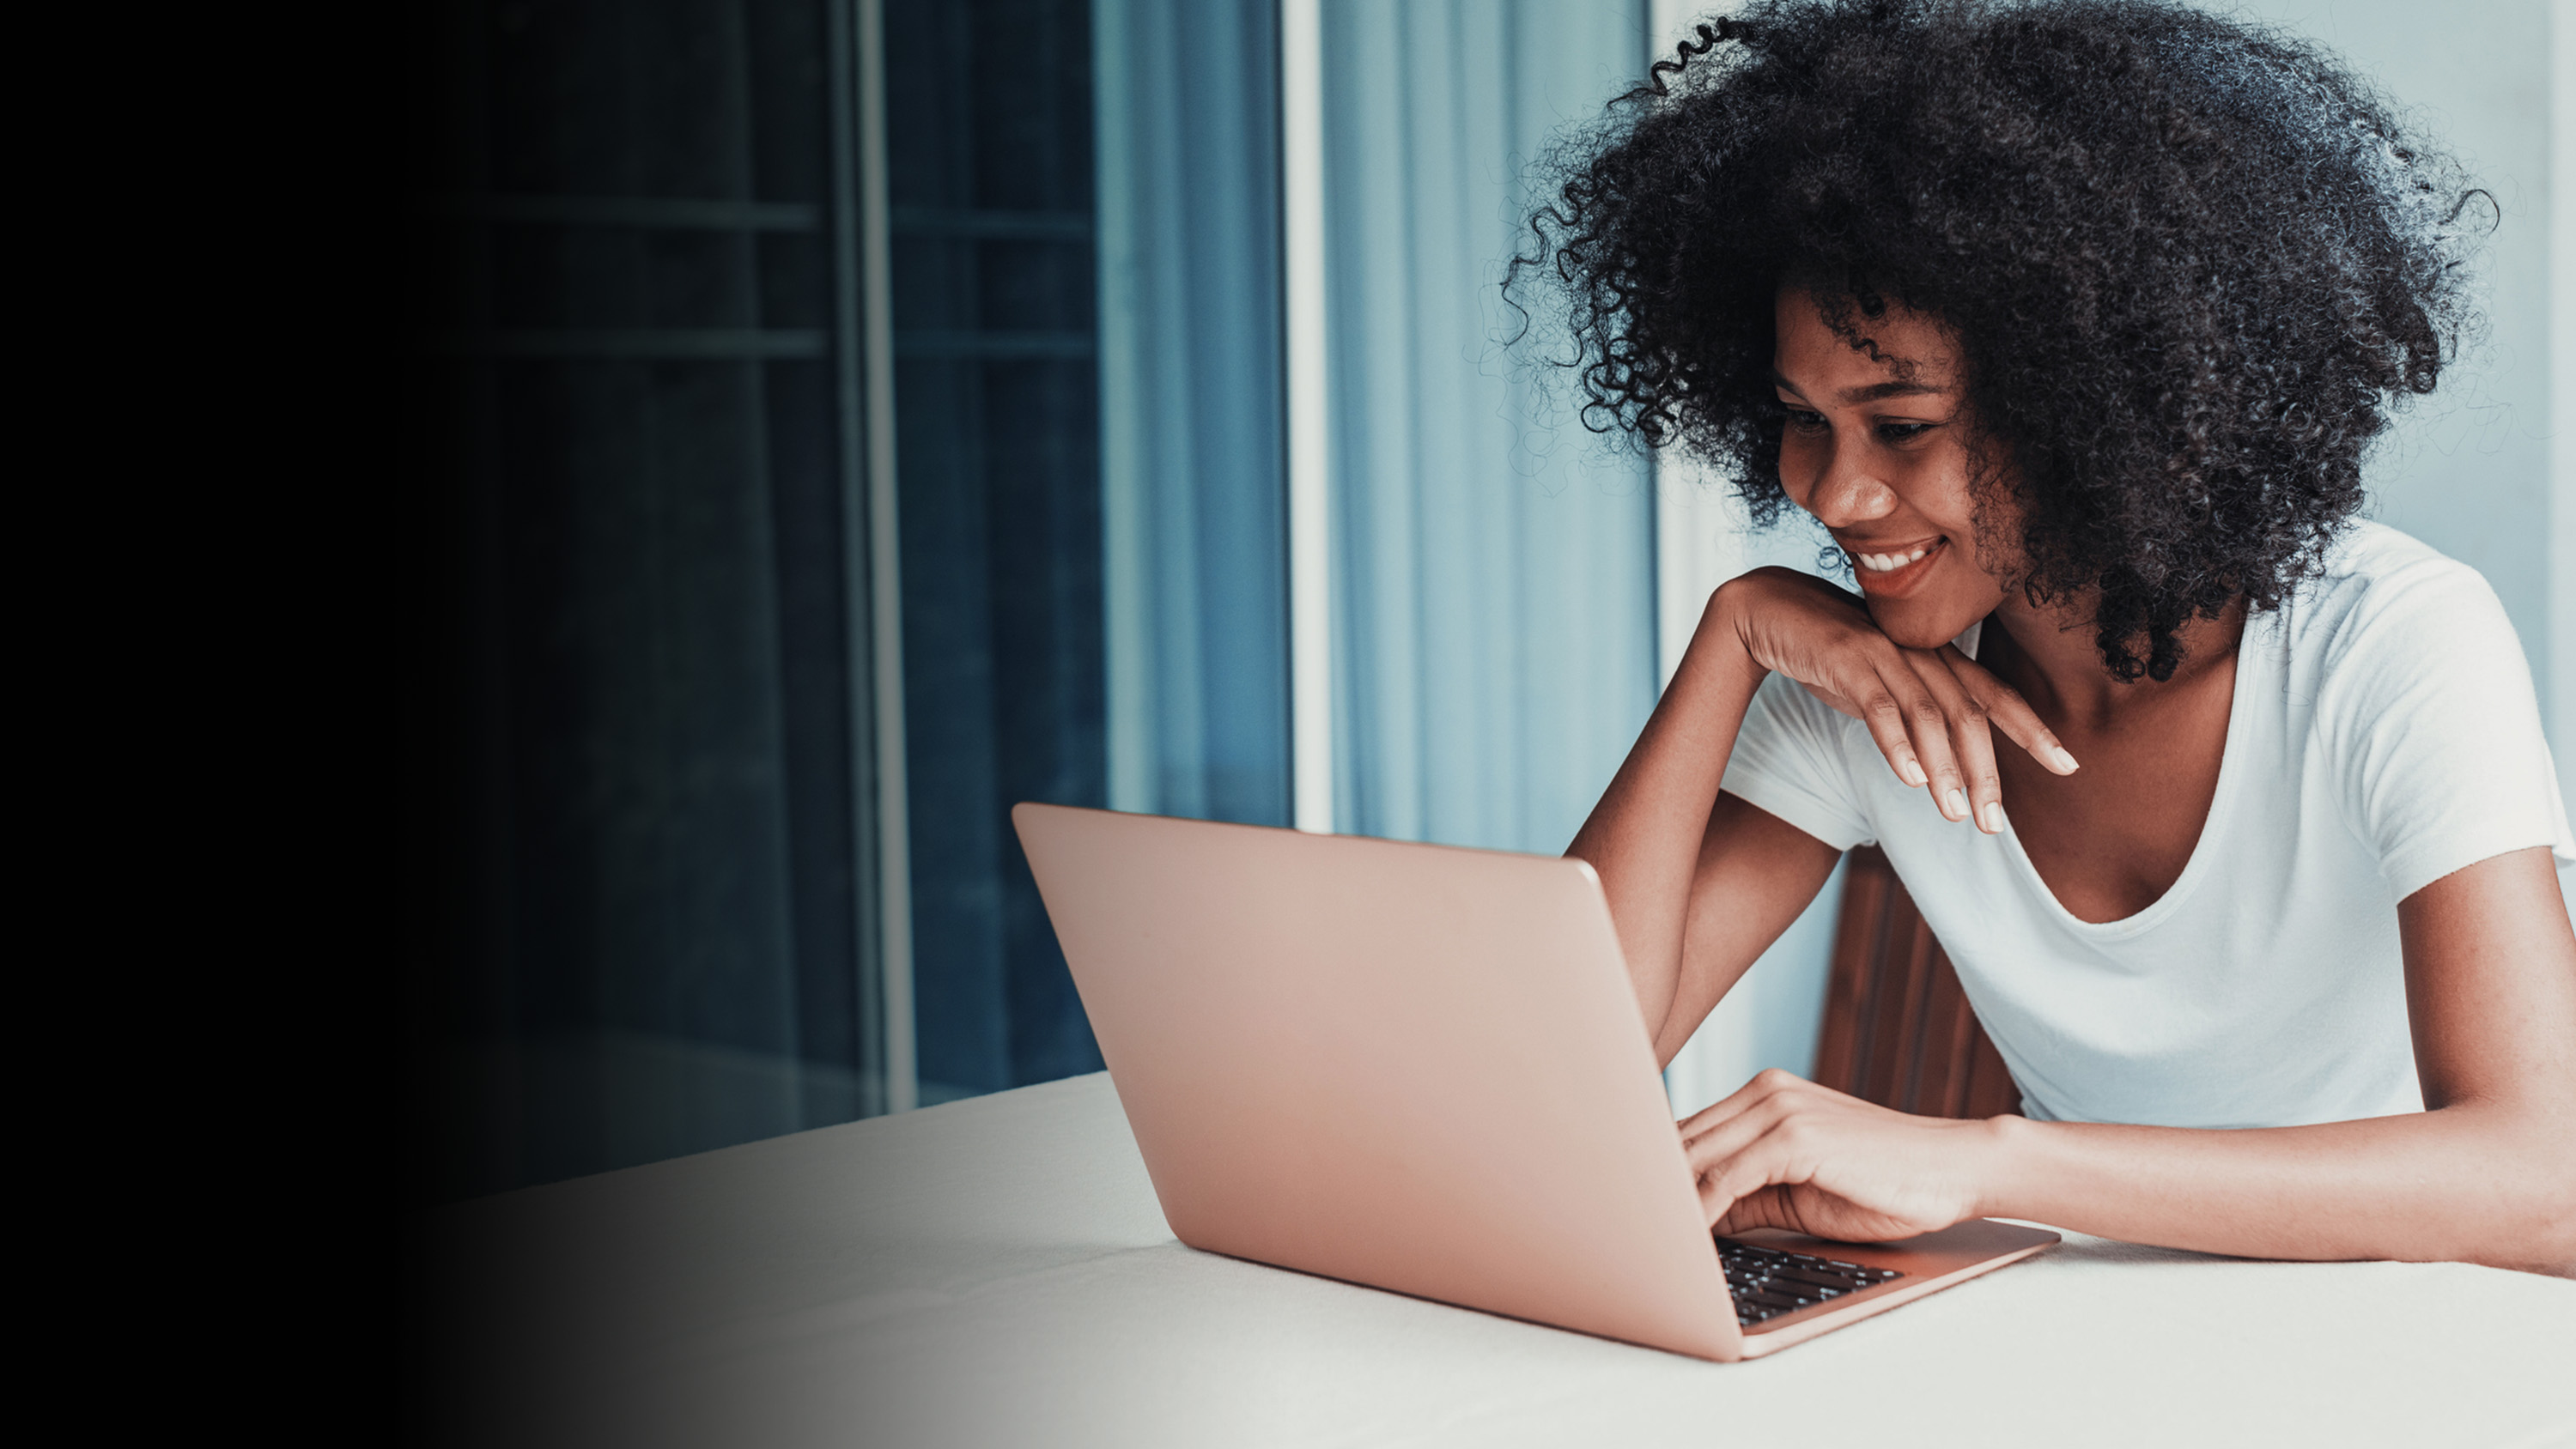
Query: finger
pixel 1766 1161
pixel 2009 712
pixel 1927 721
pixel 1878 708
pixel 1764 1207
pixel 1905 723
pixel 1759 1107
pixel 1972 739
pixel 1764 1084
pixel 1721 1144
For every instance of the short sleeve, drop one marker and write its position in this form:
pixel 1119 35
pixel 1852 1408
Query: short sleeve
pixel 2433 729
pixel 1790 760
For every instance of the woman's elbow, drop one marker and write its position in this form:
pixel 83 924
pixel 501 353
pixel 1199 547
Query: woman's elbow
pixel 2550 1246
pixel 2535 1230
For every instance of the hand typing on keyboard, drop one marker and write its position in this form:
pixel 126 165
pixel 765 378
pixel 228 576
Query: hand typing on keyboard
pixel 1786 1153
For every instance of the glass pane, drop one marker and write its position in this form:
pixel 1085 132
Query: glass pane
pixel 638 920
pixel 989 133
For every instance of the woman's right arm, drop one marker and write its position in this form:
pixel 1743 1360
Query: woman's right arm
pixel 1700 884
pixel 1655 822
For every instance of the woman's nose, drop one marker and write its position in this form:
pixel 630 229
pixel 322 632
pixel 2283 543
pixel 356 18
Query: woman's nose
pixel 1846 495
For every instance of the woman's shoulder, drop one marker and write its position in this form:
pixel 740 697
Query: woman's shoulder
pixel 2373 556
pixel 2419 697
pixel 2379 592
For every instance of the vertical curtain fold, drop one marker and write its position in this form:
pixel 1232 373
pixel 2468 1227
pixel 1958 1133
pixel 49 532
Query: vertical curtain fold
pixel 1186 145
pixel 1494 562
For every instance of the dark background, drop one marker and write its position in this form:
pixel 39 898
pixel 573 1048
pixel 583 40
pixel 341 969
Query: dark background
pixel 637 880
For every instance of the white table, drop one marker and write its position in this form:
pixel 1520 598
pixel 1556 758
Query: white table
pixel 995 1272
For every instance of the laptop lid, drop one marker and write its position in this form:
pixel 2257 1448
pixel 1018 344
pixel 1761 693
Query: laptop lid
pixel 1416 1067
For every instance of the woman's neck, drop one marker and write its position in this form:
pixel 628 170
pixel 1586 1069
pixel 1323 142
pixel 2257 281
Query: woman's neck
pixel 2057 666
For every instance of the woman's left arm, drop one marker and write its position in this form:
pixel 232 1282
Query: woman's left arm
pixel 2487 1174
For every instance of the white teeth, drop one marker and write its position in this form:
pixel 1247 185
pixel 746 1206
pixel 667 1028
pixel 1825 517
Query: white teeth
pixel 1882 563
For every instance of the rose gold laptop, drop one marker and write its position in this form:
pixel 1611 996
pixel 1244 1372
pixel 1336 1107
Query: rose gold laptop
pixel 1422 1068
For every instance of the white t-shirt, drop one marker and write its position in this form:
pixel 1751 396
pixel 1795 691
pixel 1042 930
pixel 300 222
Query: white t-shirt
pixel 2384 733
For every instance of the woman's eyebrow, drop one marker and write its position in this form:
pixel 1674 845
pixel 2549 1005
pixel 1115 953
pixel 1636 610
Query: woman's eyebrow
pixel 1893 388
pixel 1853 397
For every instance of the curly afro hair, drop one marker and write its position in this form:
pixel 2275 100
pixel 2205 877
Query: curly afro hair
pixel 2189 264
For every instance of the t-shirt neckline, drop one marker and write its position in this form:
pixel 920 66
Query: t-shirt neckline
pixel 2213 827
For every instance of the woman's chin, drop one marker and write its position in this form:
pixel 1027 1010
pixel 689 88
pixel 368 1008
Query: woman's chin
pixel 1915 624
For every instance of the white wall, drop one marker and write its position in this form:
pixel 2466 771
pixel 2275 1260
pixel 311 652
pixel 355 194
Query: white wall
pixel 2485 470
pixel 2469 470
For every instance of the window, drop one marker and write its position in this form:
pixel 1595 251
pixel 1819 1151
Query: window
pixel 837 420
pixel 648 915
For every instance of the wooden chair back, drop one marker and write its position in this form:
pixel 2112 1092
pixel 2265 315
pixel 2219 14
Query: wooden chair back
pixel 1898 1030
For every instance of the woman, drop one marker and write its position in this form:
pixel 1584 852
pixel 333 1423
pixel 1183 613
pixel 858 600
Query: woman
pixel 2072 323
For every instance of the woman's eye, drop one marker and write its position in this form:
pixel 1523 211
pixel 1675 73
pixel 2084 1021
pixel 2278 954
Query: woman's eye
pixel 1803 421
pixel 1902 432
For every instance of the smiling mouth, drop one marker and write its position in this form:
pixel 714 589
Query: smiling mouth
pixel 1893 571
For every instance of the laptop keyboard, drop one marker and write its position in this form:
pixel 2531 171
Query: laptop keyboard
pixel 1767 1282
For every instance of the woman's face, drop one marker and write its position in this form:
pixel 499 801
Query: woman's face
pixel 1878 449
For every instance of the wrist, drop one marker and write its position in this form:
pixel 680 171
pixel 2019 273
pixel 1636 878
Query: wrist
pixel 2006 1149
pixel 1725 605
pixel 1719 641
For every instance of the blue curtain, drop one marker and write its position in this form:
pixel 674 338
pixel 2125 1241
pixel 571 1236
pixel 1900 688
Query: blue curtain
pixel 1192 466
pixel 1494 569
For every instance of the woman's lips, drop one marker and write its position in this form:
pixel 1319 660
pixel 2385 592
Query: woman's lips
pixel 1895 583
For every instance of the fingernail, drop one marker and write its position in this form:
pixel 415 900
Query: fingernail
pixel 1994 817
pixel 1914 774
pixel 2065 762
pixel 1955 804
